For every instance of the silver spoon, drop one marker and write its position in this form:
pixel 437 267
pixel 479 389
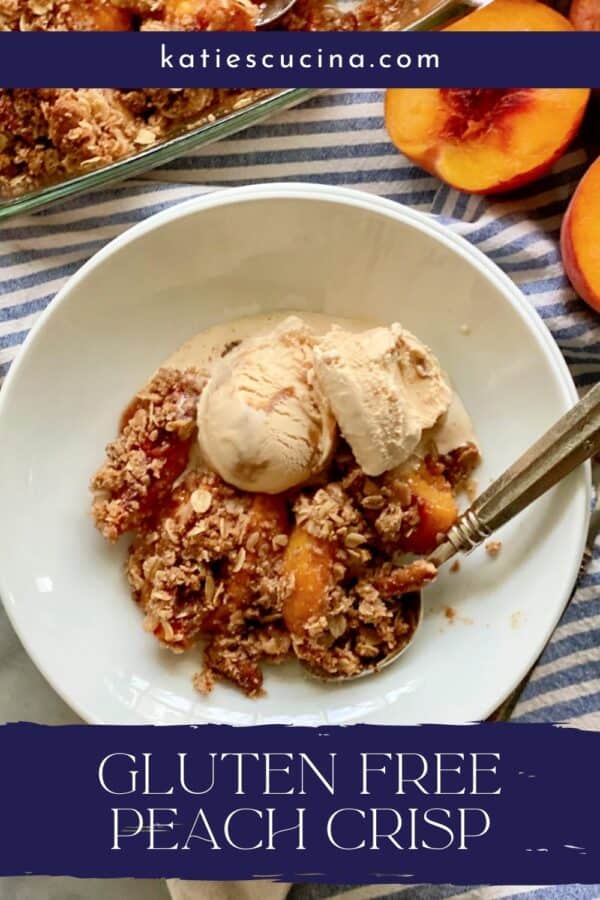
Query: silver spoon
pixel 423 16
pixel 571 441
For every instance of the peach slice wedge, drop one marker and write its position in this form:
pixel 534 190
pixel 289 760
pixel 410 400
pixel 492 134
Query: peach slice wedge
pixel 580 238
pixel 488 140
pixel 309 561
pixel 437 511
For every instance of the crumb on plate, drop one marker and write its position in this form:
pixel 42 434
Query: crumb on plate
pixel 493 548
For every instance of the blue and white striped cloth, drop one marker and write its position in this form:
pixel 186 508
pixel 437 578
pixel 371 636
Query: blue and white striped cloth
pixel 338 138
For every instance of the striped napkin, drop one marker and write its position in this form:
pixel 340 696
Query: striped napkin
pixel 338 138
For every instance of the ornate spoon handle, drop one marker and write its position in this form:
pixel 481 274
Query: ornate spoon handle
pixel 572 440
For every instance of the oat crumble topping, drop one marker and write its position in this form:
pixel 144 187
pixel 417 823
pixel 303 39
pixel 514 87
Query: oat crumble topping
pixel 151 451
pixel 51 134
pixel 325 573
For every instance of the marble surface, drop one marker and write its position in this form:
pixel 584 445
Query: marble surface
pixel 24 695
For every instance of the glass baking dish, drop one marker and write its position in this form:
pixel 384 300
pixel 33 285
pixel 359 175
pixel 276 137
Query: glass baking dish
pixel 158 154
pixel 420 15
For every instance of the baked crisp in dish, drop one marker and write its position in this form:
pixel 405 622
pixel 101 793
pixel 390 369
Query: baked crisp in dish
pixel 51 135
pixel 324 569
pixel 47 135
pixel 200 15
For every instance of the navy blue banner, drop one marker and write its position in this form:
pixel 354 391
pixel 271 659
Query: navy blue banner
pixel 299 59
pixel 492 803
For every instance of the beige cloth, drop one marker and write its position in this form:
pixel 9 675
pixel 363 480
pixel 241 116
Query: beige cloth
pixel 226 890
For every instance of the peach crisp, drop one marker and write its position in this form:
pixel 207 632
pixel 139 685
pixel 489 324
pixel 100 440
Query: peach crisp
pixel 324 570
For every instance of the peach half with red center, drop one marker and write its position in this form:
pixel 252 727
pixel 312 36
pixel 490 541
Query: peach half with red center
pixel 488 140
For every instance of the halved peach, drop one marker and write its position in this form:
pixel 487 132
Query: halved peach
pixel 585 15
pixel 580 238
pixel 488 140
pixel 513 15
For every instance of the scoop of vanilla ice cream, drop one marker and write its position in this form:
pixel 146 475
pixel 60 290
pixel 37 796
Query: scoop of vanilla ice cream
pixel 263 422
pixel 385 387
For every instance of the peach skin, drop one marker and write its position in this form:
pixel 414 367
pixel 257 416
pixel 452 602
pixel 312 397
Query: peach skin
pixel 488 140
pixel 580 238
pixel 585 15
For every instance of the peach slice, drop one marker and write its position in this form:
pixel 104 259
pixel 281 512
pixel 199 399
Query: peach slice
pixel 585 15
pixel 580 238
pixel 437 510
pixel 488 140
pixel 308 560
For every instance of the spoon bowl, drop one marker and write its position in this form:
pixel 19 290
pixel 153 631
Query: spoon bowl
pixel 567 444
pixel 420 16
pixel 270 11
pixel 413 611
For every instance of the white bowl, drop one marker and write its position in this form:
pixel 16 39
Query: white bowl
pixel 241 252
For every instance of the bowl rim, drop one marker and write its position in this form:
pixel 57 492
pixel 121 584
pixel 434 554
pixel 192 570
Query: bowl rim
pixel 393 210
